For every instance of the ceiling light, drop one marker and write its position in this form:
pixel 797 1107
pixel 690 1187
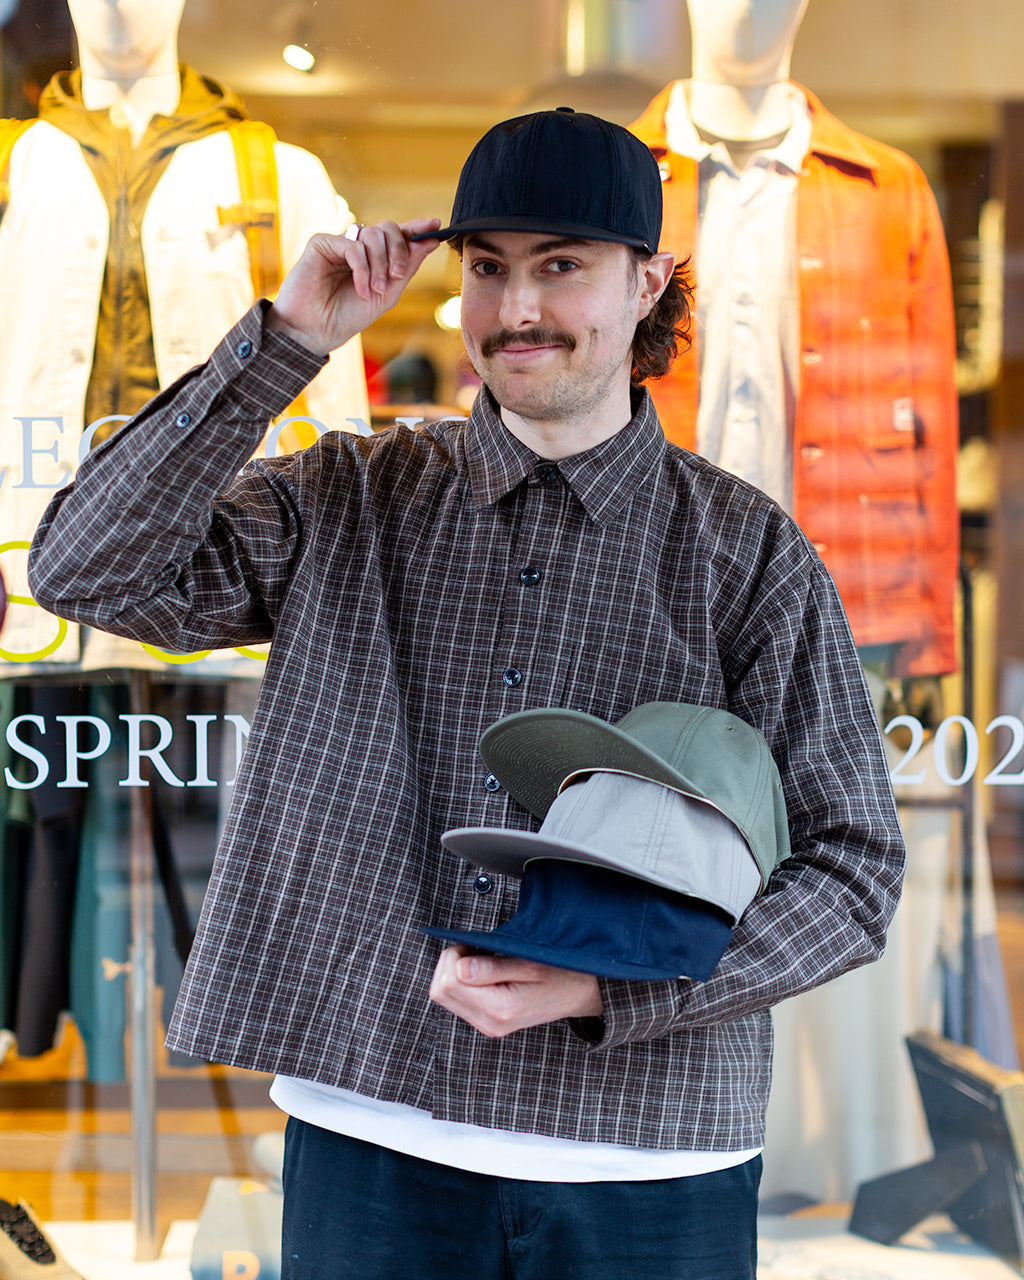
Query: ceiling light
pixel 298 57
pixel 449 314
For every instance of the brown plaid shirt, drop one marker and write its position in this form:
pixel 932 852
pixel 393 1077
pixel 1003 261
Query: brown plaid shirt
pixel 418 586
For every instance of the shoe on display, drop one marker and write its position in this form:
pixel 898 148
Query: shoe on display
pixel 25 1252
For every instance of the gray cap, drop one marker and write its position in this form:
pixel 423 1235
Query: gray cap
pixel 648 831
pixel 703 752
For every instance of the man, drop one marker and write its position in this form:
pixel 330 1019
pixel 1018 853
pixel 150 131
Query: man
pixel 455 1114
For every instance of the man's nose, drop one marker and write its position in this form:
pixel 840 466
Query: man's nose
pixel 520 304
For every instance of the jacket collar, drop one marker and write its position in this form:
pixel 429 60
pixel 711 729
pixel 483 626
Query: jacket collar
pixel 205 106
pixel 603 479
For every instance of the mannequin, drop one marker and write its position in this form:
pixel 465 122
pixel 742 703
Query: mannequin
pixel 129 116
pixel 125 256
pixel 824 339
pixel 825 352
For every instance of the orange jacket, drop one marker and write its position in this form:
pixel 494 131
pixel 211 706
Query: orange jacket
pixel 876 431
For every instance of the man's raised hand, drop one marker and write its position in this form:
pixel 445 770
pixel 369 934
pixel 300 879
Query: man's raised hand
pixel 340 284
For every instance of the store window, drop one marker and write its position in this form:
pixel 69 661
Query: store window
pixel 855 230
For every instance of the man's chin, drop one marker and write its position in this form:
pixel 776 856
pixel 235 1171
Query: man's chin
pixel 516 394
pixel 531 408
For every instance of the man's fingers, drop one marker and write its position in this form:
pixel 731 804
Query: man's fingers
pixel 487 970
pixel 378 256
pixel 382 248
pixel 501 994
pixel 342 283
pixel 383 255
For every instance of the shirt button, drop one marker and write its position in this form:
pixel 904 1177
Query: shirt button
pixel 512 677
pixel 529 576
pixel 182 420
pixel 244 348
pixel 548 474
pixel 491 783
pixel 483 884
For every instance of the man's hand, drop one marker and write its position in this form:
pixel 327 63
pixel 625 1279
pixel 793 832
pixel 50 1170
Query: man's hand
pixel 498 994
pixel 340 285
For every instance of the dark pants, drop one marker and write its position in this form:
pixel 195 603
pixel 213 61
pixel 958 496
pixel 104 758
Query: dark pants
pixel 355 1209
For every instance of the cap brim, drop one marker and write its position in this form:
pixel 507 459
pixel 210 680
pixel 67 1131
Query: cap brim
pixel 504 944
pixel 537 225
pixel 533 752
pixel 507 853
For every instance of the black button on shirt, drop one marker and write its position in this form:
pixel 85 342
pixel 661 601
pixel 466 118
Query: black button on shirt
pixel 529 576
pixel 512 677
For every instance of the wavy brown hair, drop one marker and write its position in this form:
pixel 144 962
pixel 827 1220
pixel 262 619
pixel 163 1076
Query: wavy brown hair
pixel 665 330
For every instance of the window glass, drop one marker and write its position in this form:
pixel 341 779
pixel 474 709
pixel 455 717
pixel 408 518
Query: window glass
pixel 855 233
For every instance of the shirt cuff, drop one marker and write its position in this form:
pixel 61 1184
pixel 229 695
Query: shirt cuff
pixel 264 368
pixel 632 1011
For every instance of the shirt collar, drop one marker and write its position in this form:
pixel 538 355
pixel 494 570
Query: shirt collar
pixel 604 478
pixel 787 155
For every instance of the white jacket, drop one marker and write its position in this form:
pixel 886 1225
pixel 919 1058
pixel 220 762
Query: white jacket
pixel 53 250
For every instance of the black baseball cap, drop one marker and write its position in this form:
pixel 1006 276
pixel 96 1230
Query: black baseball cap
pixel 563 172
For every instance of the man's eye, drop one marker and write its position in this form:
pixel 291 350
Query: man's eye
pixel 563 265
pixel 486 268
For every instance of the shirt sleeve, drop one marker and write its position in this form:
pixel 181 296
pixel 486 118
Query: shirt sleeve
pixel 159 537
pixel 793 671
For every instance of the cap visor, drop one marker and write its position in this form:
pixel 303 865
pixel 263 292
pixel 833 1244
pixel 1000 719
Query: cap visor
pixel 507 853
pixel 539 225
pixel 601 966
pixel 533 752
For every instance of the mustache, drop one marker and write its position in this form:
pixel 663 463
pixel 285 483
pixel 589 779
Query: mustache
pixel 530 337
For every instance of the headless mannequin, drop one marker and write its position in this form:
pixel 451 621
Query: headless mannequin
pixel 128 52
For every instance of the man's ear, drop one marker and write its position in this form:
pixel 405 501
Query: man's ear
pixel 655 274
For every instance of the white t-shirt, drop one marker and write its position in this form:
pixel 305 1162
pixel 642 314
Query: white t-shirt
pixel 497 1152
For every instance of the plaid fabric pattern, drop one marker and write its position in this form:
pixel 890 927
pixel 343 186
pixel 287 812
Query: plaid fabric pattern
pixel 418 586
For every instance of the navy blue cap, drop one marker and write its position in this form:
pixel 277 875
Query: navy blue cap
pixel 578 916
pixel 561 172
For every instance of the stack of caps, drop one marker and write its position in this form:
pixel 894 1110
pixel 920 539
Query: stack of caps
pixel 657 833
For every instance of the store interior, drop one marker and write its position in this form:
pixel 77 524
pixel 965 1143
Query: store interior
pixel 396 95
